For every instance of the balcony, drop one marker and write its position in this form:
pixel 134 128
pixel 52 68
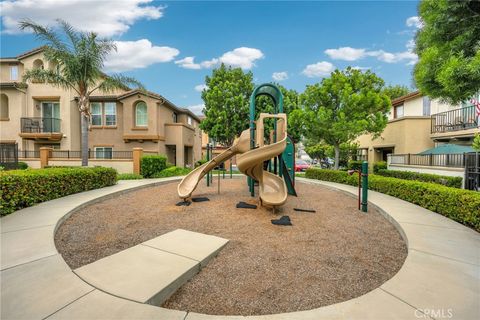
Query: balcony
pixel 38 128
pixel 454 120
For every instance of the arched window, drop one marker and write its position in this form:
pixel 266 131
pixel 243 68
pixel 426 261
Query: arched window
pixel 38 64
pixel 3 107
pixel 141 116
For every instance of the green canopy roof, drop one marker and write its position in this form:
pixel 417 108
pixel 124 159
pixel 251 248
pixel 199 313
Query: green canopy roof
pixel 448 149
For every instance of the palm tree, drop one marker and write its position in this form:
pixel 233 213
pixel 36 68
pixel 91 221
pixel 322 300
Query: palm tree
pixel 79 57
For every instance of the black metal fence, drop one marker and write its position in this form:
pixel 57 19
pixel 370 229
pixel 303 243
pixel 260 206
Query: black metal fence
pixel 73 154
pixel 472 171
pixel 456 160
pixel 454 120
pixel 9 155
pixel 39 125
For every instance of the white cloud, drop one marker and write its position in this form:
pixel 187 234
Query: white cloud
pixel 346 53
pixel 197 108
pixel 200 87
pixel 280 76
pixel 361 68
pixel 353 54
pixel 188 63
pixel 138 54
pixel 106 17
pixel 242 57
pixel 414 22
pixel 319 69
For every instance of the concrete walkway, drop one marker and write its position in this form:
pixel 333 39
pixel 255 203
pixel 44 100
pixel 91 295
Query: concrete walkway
pixel 440 278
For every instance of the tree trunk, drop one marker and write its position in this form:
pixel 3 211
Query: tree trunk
pixel 337 156
pixel 84 140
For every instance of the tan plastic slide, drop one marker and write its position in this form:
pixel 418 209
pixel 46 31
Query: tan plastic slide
pixel 272 188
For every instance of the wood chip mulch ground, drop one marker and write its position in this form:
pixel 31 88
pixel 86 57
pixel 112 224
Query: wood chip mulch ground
pixel 332 255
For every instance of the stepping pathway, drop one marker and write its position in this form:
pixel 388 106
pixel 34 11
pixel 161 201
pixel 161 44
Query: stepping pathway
pixel 152 271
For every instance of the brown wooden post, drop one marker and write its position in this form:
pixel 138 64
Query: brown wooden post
pixel 137 156
pixel 44 155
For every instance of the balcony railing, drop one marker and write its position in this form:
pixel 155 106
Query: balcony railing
pixel 40 125
pixel 454 120
pixel 455 160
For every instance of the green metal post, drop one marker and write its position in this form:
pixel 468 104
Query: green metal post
pixel 231 167
pixel 208 159
pixel 364 186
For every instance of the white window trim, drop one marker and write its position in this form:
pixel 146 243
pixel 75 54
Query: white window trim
pixel 104 107
pixel 100 114
pixel 136 115
pixel 102 149
pixel 12 77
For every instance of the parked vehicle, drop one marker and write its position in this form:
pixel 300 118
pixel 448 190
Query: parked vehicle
pixel 301 165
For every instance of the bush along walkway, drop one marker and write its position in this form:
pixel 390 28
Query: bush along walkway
pixel 460 205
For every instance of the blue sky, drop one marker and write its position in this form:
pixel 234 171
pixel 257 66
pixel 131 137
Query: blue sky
pixel 172 46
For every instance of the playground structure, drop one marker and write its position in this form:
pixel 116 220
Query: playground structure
pixel 277 181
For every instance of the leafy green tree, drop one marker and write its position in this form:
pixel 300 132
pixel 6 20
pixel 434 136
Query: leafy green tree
pixel 340 108
pixel 317 151
pixel 476 142
pixel 396 91
pixel 227 101
pixel 448 46
pixel 79 57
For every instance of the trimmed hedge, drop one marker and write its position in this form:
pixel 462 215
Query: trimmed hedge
pixel 454 182
pixel 24 188
pixel 129 176
pixel 151 165
pixel 380 165
pixel 355 165
pixel 457 204
pixel 172 172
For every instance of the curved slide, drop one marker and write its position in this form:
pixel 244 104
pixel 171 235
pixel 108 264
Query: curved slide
pixel 272 188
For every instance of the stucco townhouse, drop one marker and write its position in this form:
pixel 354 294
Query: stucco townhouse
pixel 35 114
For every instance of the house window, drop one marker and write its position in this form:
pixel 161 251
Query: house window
pixel 426 106
pixel 103 152
pixel 398 111
pixel 14 73
pixel 189 120
pixel 96 114
pixel 4 107
pixel 110 114
pixel 141 116
pixel 174 117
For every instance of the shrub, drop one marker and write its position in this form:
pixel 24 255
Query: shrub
pixel 129 176
pixel 200 162
pixel 22 165
pixel 457 204
pixel 24 188
pixel 380 165
pixel 150 165
pixel 172 172
pixel 454 182
pixel 355 165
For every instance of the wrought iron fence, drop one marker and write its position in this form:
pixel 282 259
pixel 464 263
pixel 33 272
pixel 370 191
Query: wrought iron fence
pixel 454 120
pixel 73 154
pixel 472 171
pixel 456 160
pixel 39 125
pixel 9 155
pixel 29 154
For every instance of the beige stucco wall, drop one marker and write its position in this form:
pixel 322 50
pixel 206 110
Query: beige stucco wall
pixel 405 135
pixel 10 127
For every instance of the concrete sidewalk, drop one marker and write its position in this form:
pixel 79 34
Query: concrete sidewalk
pixel 440 277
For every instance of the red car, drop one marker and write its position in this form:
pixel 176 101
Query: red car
pixel 301 165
